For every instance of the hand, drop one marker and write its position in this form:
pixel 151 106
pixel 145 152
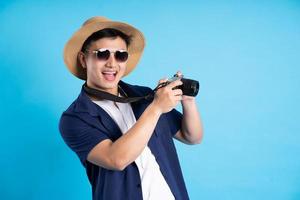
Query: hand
pixel 166 98
pixel 185 98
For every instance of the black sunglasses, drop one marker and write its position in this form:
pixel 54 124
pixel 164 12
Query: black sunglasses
pixel 104 54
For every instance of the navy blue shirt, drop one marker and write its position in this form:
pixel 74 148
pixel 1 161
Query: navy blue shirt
pixel 84 124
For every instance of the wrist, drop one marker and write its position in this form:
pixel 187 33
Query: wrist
pixel 186 101
pixel 155 109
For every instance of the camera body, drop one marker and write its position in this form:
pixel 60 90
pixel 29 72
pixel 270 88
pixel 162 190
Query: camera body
pixel 189 87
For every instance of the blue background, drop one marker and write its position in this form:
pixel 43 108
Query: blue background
pixel 246 55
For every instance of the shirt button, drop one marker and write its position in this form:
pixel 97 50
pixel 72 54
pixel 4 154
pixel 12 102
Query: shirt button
pixel 138 185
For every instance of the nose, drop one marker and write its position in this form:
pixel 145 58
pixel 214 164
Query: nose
pixel 111 62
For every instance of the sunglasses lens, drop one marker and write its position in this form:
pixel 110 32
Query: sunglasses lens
pixel 103 55
pixel 121 56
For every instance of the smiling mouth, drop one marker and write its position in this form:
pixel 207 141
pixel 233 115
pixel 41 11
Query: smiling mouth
pixel 109 75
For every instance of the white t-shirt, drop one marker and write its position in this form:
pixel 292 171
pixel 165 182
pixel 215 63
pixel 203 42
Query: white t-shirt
pixel 154 186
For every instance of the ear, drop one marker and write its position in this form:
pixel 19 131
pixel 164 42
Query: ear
pixel 81 58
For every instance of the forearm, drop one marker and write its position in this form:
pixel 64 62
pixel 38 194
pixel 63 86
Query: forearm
pixel 192 129
pixel 128 147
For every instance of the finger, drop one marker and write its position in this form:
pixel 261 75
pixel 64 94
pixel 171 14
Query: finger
pixel 175 83
pixel 177 92
pixel 162 80
pixel 178 98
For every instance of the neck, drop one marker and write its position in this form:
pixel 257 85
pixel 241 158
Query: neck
pixel 113 91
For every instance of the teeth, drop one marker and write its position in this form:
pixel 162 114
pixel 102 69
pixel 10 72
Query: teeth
pixel 109 72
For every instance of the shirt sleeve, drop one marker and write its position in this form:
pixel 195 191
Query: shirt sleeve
pixel 80 136
pixel 174 118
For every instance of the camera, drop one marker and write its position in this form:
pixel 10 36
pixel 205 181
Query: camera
pixel 189 87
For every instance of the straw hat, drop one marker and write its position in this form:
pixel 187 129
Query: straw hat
pixel 94 24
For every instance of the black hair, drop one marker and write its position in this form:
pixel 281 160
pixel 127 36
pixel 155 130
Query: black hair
pixel 105 33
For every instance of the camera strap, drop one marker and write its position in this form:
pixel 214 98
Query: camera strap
pixel 105 95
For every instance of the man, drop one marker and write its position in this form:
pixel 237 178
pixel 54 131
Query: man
pixel 126 148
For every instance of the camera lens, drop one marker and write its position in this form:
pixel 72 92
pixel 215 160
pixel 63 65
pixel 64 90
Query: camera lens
pixel 189 87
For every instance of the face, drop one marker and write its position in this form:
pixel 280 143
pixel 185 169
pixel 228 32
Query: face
pixel 104 74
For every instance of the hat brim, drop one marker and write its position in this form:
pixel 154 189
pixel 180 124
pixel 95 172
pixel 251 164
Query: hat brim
pixel 74 45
